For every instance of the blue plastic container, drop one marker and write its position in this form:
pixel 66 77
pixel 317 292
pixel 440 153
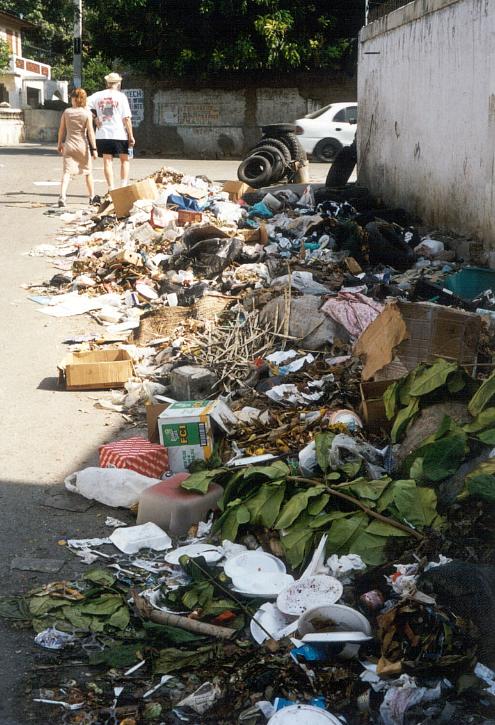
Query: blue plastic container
pixel 470 282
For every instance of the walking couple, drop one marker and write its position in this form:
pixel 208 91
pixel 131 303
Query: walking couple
pixel 109 111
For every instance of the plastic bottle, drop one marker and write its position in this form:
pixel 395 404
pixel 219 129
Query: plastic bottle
pixel 130 152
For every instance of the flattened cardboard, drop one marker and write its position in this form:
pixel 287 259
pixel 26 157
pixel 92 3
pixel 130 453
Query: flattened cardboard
pixel 236 189
pixel 124 197
pixel 96 369
pixel 376 345
pixel 408 333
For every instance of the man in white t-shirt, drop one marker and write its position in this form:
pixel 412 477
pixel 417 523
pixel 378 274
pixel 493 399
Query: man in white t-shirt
pixel 114 127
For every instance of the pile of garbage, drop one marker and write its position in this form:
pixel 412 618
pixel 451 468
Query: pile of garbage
pixel 314 476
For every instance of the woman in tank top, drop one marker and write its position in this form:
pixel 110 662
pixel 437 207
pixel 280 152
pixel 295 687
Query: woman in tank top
pixel 77 144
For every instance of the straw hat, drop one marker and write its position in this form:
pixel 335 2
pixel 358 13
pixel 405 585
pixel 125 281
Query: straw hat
pixel 113 78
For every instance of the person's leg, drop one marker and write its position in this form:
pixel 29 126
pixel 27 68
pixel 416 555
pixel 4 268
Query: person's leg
pixel 108 170
pixel 124 169
pixel 90 185
pixel 64 186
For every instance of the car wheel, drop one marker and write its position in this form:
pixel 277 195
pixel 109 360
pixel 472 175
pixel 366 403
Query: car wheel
pixel 326 150
pixel 277 128
pixel 255 171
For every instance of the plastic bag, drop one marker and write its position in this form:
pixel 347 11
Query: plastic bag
pixel 110 486
pixel 307 198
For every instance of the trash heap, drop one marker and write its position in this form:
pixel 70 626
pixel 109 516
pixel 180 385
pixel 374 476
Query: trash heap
pixel 314 478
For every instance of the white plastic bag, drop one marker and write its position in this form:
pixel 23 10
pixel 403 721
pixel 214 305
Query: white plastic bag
pixel 111 486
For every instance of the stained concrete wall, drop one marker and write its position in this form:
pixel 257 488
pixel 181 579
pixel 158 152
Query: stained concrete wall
pixel 426 93
pixel 218 120
pixel 11 127
pixel 41 125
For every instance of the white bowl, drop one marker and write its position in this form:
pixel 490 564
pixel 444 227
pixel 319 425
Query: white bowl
pixel 303 715
pixel 345 620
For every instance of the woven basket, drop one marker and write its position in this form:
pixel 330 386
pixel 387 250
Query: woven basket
pixel 162 323
pixel 165 321
pixel 210 306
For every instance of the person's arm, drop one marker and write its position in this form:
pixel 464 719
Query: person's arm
pixel 128 128
pixel 61 134
pixel 91 136
pixel 127 120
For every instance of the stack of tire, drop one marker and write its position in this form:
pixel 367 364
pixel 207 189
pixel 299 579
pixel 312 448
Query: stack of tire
pixel 277 156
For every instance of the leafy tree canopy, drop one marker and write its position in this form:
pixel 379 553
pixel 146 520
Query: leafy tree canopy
pixel 195 37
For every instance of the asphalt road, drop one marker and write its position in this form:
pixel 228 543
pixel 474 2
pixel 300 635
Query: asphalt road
pixel 47 432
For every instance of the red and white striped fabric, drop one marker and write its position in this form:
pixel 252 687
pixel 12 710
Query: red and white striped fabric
pixel 136 454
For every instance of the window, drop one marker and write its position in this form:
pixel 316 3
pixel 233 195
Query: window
pixel 346 115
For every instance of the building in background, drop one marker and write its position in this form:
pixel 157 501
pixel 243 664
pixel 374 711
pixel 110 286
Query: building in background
pixel 27 82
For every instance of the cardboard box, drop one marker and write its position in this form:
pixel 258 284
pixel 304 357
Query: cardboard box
pixel 189 430
pixel 96 369
pixel 372 406
pixel 408 333
pixel 188 217
pixel 254 236
pixel 124 197
pixel 153 411
pixel 236 189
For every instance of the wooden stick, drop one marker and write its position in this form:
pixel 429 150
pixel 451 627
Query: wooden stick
pixel 356 502
pixel 146 611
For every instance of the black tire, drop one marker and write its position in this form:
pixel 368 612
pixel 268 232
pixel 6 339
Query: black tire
pixel 278 143
pixel 294 145
pixel 276 159
pixel 255 171
pixel 342 168
pixel 326 150
pixel 277 128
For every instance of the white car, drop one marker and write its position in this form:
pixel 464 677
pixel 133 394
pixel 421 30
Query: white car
pixel 324 132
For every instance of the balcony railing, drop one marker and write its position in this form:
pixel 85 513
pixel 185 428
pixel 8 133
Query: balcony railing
pixel 26 66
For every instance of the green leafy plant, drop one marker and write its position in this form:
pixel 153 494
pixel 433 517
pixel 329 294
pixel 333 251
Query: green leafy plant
pixel 4 55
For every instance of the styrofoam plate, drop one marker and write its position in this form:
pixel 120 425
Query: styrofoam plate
pixel 260 585
pixel 272 620
pixel 303 715
pixel 253 562
pixel 313 591
pixel 211 554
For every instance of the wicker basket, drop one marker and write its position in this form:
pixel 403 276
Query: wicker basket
pixel 165 321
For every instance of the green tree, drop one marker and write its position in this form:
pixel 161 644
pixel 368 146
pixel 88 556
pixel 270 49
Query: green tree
pixel 194 37
pixel 4 55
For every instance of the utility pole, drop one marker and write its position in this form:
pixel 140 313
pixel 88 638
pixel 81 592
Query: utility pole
pixel 77 74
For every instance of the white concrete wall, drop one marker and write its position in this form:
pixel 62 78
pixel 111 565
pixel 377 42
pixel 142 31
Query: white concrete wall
pixel 426 93
pixel 11 127
pixel 41 125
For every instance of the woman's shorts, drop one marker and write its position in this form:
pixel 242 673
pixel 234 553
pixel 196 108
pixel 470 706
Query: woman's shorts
pixel 111 147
